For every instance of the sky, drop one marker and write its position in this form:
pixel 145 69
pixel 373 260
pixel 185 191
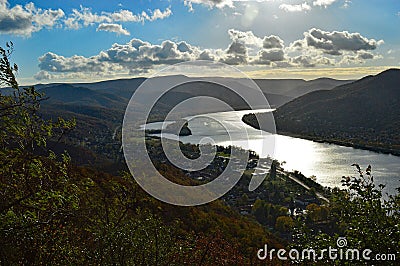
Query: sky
pixel 71 41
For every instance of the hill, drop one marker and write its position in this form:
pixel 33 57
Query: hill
pixel 297 87
pixel 82 96
pixel 363 113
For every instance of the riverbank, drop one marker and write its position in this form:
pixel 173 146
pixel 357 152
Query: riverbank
pixel 249 120
pixel 340 143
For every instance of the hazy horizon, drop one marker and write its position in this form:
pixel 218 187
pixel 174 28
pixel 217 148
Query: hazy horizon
pixel 255 78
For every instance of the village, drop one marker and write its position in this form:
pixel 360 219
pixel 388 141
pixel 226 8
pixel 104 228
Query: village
pixel 281 194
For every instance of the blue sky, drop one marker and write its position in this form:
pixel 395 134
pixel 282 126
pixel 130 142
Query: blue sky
pixel 98 40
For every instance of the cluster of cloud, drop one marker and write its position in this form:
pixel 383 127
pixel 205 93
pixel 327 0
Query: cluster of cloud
pixel 306 6
pixel 24 20
pixel 209 3
pixel 336 42
pixel 316 48
pixel 287 6
pixel 85 17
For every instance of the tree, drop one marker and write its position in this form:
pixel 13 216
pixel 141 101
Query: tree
pixel 259 211
pixel 358 213
pixel 272 171
pixel 368 220
pixel 317 213
pixel 284 224
pixel 37 192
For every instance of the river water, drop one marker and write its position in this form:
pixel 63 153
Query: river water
pixel 328 162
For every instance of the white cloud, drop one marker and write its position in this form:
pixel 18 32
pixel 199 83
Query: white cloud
pixel 347 3
pixel 317 48
pixel 218 3
pixel 209 3
pixel 85 17
pixel 158 14
pixel 111 27
pixel 24 20
pixel 43 75
pixel 207 54
pixel 305 6
pixel 324 3
pixel 245 37
pixel 51 62
pixel 295 8
pixel 189 5
pixel 244 45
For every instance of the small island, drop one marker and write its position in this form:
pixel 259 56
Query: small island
pixel 173 128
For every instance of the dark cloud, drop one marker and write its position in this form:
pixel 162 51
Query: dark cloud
pixel 266 56
pixel 272 42
pixel 237 48
pixel 365 55
pixel 17 21
pixel 23 20
pixel 358 58
pixel 334 43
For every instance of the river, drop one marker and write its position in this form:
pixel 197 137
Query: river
pixel 327 162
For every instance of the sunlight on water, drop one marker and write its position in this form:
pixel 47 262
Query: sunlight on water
pixel 328 162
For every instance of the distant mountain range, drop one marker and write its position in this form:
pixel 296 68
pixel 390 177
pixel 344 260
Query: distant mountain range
pixel 364 113
pixel 110 98
pixel 109 93
pixel 82 96
pixel 297 87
